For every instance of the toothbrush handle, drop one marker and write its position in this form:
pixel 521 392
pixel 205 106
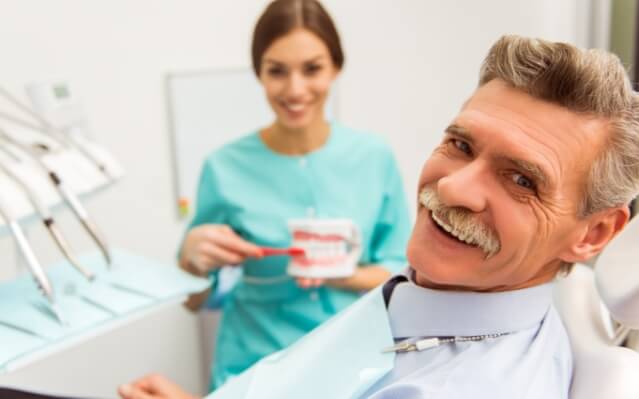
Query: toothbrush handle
pixel 267 251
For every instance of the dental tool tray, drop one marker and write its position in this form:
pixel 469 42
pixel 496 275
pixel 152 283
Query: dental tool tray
pixel 131 287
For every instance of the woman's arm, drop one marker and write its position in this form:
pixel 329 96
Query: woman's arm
pixel 366 278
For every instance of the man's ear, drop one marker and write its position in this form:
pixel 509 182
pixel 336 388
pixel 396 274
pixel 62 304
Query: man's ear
pixel 599 230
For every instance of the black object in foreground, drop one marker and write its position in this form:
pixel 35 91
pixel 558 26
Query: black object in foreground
pixel 9 393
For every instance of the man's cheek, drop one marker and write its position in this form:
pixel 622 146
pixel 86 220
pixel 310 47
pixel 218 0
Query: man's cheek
pixel 433 170
pixel 540 220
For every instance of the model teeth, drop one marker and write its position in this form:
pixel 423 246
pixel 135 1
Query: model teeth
pixel 317 249
pixel 452 231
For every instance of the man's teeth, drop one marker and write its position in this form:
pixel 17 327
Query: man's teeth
pixel 460 236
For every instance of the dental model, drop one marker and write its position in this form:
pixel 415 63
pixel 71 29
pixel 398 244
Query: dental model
pixel 331 248
pixel 321 249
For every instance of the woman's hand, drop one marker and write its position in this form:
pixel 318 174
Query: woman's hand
pixel 153 387
pixel 210 246
pixel 305 282
pixel 344 283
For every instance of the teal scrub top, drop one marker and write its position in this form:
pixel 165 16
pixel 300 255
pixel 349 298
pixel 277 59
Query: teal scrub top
pixel 255 191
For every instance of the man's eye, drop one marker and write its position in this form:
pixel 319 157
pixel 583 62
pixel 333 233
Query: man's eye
pixel 523 181
pixel 462 146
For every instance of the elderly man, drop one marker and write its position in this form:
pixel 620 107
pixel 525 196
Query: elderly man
pixel 534 174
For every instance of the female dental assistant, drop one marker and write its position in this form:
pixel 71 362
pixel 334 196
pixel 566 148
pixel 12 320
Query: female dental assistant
pixel 297 167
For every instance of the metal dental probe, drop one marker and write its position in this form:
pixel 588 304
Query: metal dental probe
pixel 45 215
pixel 69 197
pixel 35 268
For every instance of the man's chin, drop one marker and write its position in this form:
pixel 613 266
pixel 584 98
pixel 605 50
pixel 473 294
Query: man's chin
pixel 434 281
pixel 447 281
pixel 437 271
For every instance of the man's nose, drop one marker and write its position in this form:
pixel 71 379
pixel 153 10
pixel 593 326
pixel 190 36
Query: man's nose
pixel 465 187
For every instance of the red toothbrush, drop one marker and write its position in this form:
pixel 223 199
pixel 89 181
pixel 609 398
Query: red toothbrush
pixel 293 251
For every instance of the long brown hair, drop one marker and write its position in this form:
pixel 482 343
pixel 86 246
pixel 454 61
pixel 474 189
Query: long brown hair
pixel 282 16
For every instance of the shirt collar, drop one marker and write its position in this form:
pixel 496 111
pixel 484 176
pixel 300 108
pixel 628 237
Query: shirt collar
pixel 415 311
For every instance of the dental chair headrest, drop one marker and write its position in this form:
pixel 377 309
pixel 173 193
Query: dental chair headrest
pixel 617 276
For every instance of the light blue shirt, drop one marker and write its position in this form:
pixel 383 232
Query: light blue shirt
pixel 533 360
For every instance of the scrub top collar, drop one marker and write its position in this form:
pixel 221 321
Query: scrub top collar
pixel 415 311
pixel 333 130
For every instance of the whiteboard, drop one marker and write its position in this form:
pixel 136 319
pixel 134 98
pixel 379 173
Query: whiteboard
pixel 208 109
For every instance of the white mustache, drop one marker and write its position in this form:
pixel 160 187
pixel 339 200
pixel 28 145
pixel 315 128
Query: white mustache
pixel 462 223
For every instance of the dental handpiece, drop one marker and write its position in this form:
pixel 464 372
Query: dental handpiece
pixel 42 281
pixel 45 126
pixel 69 197
pixel 46 217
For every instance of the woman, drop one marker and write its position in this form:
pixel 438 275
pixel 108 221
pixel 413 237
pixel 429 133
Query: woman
pixel 299 166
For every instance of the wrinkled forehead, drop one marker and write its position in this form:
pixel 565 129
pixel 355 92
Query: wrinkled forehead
pixel 499 98
pixel 509 121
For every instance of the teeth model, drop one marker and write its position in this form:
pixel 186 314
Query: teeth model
pixel 320 249
pixel 331 250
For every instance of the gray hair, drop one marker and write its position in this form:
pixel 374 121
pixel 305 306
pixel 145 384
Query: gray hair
pixel 592 82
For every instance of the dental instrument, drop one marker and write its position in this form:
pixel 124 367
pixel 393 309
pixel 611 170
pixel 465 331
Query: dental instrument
pixel 45 215
pixel 42 281
pixel 69 197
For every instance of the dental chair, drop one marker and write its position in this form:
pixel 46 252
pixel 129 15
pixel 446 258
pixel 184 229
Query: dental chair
pixel 600 308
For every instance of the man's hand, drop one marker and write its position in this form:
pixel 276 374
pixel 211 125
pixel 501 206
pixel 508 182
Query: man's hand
pixel 153 386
